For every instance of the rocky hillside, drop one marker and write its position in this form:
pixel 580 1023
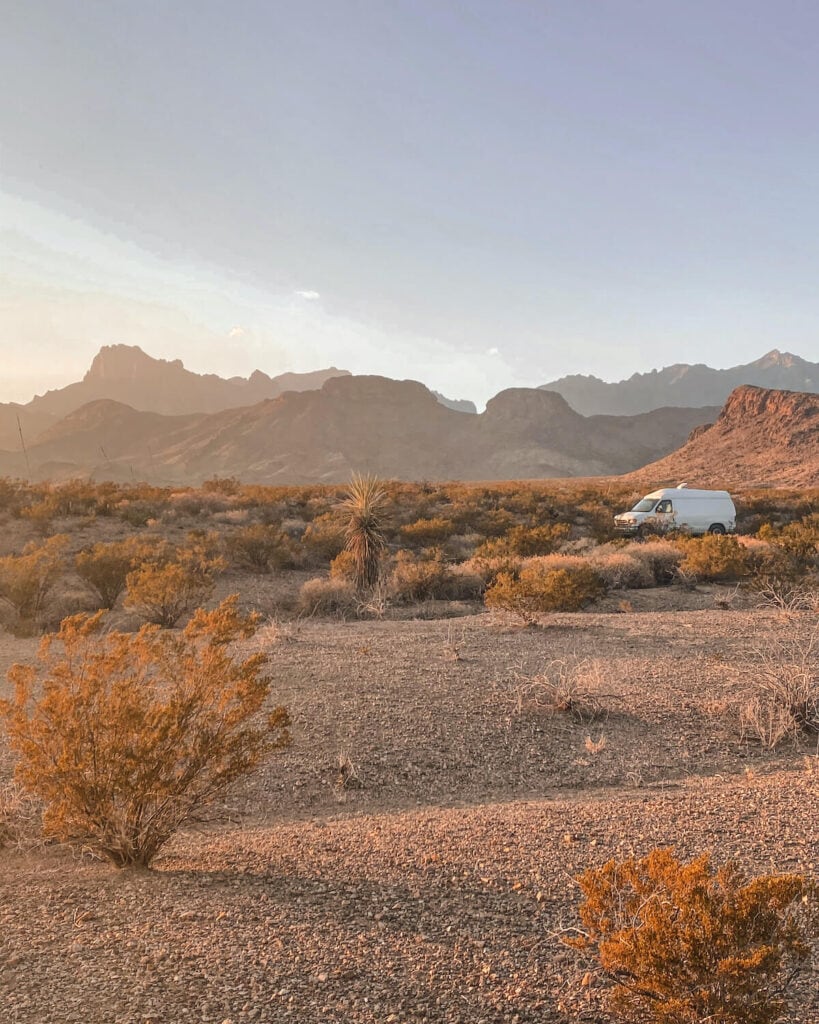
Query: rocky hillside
pixel 762 438
pixel 395 429
pixel 684 385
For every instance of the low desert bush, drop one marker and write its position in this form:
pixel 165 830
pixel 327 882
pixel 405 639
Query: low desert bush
pixel 661 557
pixel 21 816
pixel 104 568
pixel 621 570
pixel 323 539
pixel 526 542
pixel 489 567
pixel 27 579
pixel 419 577
pixel 162 594
pixel 428 532
pixel 260 548
pixel 713 558
pixel 688 943
pixel 336 597
pixel 126 737
pixel 540 588
pixel 784 705
pixel 570 687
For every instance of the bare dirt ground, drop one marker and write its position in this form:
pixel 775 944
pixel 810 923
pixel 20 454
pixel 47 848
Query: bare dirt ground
pixel 411 856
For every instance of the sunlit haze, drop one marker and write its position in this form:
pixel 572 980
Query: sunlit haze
pixel 473 195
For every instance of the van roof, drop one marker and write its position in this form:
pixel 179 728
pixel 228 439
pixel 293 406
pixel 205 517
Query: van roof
pixel 687 492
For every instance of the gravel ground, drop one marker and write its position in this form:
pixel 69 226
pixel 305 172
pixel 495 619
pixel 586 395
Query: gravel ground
pixel 433 883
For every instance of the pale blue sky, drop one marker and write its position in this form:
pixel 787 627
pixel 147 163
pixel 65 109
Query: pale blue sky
pixel 473 194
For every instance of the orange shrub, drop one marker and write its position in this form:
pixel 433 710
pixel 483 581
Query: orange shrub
pixel 126 736
pixel 541 589
pixel 713 557
pixel 105 567
pixel 27 579
pixel 428 532
pixel 161 594
pixel 686 943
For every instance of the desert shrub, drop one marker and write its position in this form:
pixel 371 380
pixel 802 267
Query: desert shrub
pixel 799 540
pixel 128 736
pixel 661 557
pixel 20 817
pixel 488 568
pixel 784 704
pixel 428 532
pixel 323 539
pixel 687 943
pixel 621 570
pixel 342 567
pixel 226 485
pixel 540 588
pixel 138 512
pixel 363 509
pixel 419 577
pixel 260 548
pixel 105 567
pixel 27 579
pixel 162 594
pixel 713 558
pixel 569 687
pixel 329 597
pixel 464 585
pixel 526 542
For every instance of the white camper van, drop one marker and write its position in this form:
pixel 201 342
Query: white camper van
pixel 680 508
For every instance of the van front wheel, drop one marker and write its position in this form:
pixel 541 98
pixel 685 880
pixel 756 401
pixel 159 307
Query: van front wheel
pixel 716 528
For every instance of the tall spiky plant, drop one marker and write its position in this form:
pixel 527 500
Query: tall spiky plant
pixel 363 508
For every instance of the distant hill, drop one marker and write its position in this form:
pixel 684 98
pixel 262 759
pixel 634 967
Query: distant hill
pixel 684 385
pixel 396 429
pixel 762 438
pixel 124 373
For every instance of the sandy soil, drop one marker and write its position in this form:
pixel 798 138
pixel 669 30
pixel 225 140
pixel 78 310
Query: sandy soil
pixel 411 856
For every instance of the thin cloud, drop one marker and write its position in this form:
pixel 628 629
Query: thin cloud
pixel 308 294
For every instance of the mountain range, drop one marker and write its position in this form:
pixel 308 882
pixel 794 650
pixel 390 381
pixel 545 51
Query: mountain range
pixel 135 417
pixel 684 385
pixel 117 423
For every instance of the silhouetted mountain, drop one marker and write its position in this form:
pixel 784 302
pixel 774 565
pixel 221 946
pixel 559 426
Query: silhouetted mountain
pixel 392 428
pixel 684 385
pixel 762 438
pixel 124 373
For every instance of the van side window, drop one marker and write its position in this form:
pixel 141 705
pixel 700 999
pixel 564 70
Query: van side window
pixel 664 506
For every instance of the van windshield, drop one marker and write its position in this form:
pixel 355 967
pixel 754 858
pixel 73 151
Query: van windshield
pixel 645 505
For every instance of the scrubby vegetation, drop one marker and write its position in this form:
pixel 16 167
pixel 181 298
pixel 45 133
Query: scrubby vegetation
pixel 158 551
pixel 686 943
pixel 127 736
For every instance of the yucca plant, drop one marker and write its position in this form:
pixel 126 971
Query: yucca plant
pixel 363 508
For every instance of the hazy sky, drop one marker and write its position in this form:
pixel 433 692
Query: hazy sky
pixel 474 194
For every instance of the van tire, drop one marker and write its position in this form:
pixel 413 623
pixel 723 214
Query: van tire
pixel 716 528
